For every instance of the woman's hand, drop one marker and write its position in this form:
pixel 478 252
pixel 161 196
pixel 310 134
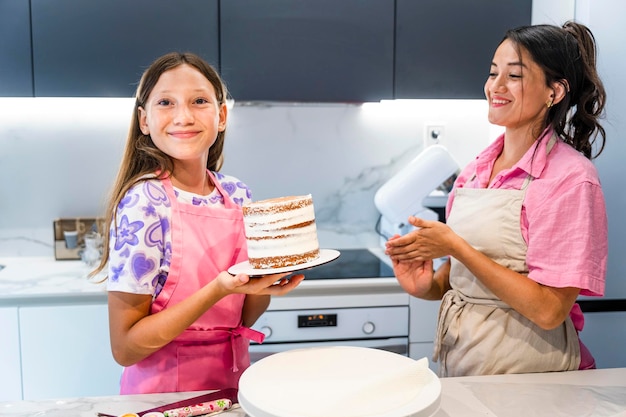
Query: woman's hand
pixel 431 240
pixel 412 258
pixel 415 277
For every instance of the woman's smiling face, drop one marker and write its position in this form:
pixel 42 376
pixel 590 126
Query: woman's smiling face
pixel 182 114
pixel 516 89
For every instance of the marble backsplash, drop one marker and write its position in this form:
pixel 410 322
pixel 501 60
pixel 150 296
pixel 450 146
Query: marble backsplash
pixel 59 156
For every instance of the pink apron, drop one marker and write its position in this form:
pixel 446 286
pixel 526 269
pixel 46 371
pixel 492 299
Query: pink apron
pixel 213 352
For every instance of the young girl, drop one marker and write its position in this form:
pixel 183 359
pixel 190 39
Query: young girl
pixel 526 226
pixel 178 321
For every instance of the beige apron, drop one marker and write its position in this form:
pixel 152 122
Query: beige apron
pixel 477 333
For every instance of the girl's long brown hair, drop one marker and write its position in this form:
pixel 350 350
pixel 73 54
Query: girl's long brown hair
pixel 141 157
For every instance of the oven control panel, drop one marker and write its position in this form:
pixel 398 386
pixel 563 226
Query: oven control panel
pixel 282 326
pixel 317 320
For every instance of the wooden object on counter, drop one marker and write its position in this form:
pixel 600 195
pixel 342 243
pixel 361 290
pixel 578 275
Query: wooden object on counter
pixel 81 225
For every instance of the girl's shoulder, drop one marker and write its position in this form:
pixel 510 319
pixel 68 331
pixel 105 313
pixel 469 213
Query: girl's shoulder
pixel 228 179
pixel 146 192
pixel 238 191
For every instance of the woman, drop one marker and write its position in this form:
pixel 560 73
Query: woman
pixel 178 321
pixel 526 228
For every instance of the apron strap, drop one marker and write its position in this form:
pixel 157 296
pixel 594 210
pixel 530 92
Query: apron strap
pixel 241 331
pixel 551 143
pixel 529 178
pixel 450 310
pixel 249 334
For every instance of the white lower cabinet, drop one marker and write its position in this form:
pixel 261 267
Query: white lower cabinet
pixel 422 328
pixel 423 320
pixel 423 350
pixel 11 381
pixel 604 334
pixel 66 352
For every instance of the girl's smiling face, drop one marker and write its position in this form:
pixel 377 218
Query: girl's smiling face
pixel 516 89
pixel 182 115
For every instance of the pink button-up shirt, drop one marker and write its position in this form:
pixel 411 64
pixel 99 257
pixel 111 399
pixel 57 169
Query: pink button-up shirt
pixel 563 217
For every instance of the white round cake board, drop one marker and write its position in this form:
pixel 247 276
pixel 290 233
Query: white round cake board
pixel 326 255
pixel 339 381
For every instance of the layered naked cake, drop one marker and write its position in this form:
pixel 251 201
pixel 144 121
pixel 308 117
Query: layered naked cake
pixel 281 232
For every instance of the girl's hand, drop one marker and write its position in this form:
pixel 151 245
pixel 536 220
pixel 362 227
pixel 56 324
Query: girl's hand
pixel 274 284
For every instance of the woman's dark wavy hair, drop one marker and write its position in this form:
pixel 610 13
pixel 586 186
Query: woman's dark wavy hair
pixel 568 55
pixel 141 156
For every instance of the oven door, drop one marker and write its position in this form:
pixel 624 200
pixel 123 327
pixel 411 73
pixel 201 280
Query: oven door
pixel 394 344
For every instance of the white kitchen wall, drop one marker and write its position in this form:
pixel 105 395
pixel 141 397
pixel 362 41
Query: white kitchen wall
pixel 605 18
pixel 58 158
pixel 553 12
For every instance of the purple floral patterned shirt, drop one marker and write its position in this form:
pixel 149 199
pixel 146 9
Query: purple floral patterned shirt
pixel 140 252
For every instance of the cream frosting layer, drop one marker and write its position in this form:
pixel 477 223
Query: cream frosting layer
pixel 285 243
pixel 281 227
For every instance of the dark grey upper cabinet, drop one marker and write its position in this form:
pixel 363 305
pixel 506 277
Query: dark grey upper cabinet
pixel 444 48
pixel 16 76
pixel 270 50
pixel 307 51
pixel 100 48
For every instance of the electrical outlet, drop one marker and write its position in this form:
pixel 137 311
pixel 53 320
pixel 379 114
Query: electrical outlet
pixel 433 133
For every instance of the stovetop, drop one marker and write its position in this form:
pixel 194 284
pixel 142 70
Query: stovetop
pixel 352 263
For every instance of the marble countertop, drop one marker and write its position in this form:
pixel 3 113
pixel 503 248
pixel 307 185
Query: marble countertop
pixel 24 279
pixel 598 393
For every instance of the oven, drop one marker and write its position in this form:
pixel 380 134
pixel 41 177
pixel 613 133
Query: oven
pixel 352 301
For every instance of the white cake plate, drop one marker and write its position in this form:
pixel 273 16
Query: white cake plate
pixel 326 255
pixel 339 381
